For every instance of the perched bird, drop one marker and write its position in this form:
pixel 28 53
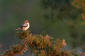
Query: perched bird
pixel 24 26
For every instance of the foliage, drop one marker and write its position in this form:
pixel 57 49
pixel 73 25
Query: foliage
pixel 39 45
pixel 80 4
pixel 63 19
pixel 59 10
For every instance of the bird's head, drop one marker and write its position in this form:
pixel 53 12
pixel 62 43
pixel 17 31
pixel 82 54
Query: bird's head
pixel 26 21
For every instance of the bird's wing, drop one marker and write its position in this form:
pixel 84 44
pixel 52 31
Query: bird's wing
pixel 25 25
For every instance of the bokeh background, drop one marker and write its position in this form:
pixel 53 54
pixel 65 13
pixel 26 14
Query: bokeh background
pixel 57 18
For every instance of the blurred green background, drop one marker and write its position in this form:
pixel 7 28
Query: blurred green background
pixel 57 18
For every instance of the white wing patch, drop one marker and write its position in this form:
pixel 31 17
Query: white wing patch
pixel 26 26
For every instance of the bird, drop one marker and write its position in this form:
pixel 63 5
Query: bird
pixel 24 26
